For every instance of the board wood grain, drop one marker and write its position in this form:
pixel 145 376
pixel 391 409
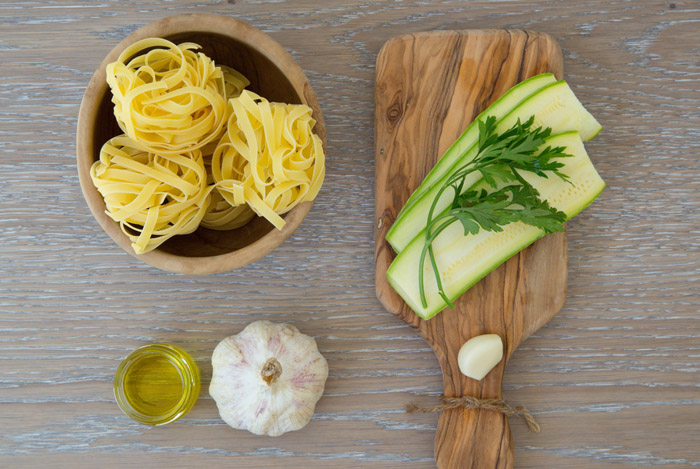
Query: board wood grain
pixel 429 87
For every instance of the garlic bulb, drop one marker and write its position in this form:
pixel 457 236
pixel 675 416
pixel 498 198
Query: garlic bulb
pixel 268 378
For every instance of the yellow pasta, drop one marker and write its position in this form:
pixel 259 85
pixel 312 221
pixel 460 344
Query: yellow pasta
pixel 152 197
pixel 198 149
pixel 169 99
pixel 234 82
pixel 223 216
pixel 269 158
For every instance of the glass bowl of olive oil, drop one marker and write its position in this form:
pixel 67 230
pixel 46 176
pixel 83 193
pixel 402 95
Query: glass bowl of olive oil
pixel 156 384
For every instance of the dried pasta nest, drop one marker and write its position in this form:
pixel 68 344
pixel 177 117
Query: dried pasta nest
pixel 152 197
pixel 198 149
pixel 223 216
pixel 170 99
pixel 268 158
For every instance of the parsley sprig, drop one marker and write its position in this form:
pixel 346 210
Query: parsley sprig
pixel 500 159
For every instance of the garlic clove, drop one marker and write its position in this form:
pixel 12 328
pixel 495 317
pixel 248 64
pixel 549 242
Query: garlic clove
pixel 268 378
pixel 479 355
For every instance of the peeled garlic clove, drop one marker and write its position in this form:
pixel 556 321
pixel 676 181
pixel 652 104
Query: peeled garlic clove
pixel 268 378
pixel 479 355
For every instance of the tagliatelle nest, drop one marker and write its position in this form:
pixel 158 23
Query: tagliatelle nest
pixel 170 99
pixel 153 197
pixel 268 158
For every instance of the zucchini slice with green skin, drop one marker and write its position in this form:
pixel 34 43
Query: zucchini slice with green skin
pixel 553 106
pixel 498 108
pixel 464 260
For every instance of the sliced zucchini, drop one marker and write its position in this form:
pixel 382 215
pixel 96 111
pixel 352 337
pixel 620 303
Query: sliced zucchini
pixel 553 106
pixel 464 260
pixel 498 108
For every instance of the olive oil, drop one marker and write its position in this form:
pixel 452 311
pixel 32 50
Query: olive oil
pixel 153 385
pixel 156 384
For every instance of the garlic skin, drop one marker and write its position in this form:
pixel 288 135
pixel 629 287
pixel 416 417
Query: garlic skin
pixel 263 353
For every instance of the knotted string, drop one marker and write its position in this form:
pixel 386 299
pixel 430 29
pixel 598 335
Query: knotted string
pixel 473 403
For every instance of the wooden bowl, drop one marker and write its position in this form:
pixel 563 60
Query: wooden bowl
pixel 273 74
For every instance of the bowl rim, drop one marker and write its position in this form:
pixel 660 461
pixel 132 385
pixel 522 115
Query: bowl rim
pixel 89 106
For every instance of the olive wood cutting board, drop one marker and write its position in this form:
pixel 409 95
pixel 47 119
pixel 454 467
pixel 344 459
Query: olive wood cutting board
pixel 429 87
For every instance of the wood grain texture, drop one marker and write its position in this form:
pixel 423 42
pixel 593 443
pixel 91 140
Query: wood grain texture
pixel 415 123
pixel 613 378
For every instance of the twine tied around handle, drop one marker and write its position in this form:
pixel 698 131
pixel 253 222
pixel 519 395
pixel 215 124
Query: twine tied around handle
pixel 473 403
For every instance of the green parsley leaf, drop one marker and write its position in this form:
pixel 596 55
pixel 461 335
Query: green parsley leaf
pixel 500 160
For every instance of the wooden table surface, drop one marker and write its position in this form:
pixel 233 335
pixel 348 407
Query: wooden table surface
pixel 613 379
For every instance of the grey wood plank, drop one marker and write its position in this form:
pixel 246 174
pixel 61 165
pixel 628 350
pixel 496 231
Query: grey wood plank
pixel 613 379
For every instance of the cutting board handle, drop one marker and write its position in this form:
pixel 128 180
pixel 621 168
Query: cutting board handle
pixel 474 438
